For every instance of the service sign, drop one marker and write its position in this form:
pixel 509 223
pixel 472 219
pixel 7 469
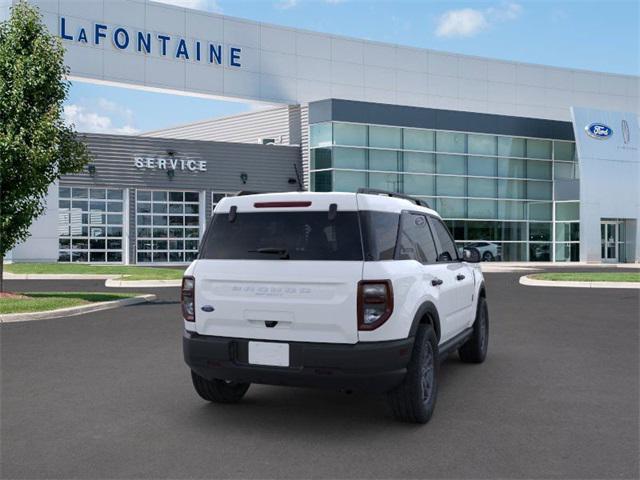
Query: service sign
pixel 171 163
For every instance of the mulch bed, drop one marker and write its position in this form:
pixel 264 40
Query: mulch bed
pixel 12 295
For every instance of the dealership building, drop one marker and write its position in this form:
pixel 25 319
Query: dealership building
pixel 528 162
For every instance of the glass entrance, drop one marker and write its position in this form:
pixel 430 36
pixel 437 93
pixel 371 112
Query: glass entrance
pixel 609 241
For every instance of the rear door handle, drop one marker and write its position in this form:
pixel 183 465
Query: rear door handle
pixel 436 281
pixel 460 277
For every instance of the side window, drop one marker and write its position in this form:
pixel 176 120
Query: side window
pixel 415 241
pixel 446 247
pixel 379 234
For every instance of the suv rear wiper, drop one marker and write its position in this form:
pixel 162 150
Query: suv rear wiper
pixel 284 254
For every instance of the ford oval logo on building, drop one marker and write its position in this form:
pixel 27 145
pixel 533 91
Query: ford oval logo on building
pixel 599 131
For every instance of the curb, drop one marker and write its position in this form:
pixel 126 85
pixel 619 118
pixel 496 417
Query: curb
pixel 113 281
pixel 60 276
pixel 116 283
pixel 79 310
pixel 507 268
pixel 532 282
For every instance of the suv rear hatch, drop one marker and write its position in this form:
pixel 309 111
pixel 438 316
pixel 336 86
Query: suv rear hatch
pixel 281 267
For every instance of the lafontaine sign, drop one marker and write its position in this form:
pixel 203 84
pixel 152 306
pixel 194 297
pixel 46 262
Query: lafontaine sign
pixel 160 44
pixel 171 163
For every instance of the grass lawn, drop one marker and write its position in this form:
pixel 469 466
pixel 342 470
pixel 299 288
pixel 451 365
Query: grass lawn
pixel 130 272
pixel 43 301
pixel 589 276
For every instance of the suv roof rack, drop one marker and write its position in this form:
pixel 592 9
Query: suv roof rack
pixel 375 191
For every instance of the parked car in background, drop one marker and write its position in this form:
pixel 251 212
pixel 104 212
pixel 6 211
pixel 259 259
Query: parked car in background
pixel 489 251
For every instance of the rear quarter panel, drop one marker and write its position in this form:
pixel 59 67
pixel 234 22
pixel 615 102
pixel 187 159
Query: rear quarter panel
pixel 410 291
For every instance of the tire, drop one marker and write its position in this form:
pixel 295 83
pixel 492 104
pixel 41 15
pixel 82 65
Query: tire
pixel 488 257
pixel 415 398
pixel 474 350
pixel 219 391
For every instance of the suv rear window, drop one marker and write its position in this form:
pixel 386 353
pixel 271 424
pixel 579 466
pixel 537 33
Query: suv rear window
pixel 283 235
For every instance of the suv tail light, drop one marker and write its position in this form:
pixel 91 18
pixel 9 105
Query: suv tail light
pixel 375 303
pixel 187 298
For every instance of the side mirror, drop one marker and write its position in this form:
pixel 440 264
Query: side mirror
pixel 471 255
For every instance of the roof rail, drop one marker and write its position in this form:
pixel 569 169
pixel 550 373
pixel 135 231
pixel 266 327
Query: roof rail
pixel 375 191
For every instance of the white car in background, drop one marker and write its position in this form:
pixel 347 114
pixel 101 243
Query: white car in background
pixel 489 251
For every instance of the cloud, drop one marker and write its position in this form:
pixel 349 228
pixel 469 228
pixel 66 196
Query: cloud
pixel 286 4
pixel 207 5
pixel 103 117
pixel 467 22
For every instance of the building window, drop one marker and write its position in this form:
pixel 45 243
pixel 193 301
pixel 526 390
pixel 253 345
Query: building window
pixel 217 196
pixel 90 225
pixel 167 226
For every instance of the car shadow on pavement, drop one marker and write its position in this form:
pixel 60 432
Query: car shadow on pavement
pixel 290 410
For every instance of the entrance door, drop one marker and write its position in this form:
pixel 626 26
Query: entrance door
pixel 609 241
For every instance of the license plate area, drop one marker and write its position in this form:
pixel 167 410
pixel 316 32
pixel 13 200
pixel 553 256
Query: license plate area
pixel 269 353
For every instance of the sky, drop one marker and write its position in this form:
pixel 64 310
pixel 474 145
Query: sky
pixel 601 35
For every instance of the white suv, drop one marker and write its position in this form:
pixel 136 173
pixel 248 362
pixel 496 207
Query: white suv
pixel 353 291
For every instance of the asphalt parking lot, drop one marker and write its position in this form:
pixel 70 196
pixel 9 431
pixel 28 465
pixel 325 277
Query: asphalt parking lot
pixel 107 395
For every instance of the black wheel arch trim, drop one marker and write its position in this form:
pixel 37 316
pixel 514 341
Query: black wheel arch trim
pixel 482 291
pixel 427 309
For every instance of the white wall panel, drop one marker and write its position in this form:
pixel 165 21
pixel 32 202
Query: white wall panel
pixel 411 59
pixel 87 9
pixel 309 90
pixel 119 66
pixel 343 50
pixel 472 89
pixel 558 78
pixel 165 19
pixel 244 34
pixel 443 86
pixel 309 68
pixel 287 64
pixel 380 77
pixel 276 63
pixel 203 78
pixel 163 73
pixel 313 45
pixel 443 64
pixel 347 73
pixel 475 68
pixel 411 82
pixel 501 93
pixel 237 82
pixel 203 27
pixel 277 39
pixel 586 82
pixel 380 55
pixel 504 72
pixel 124 12
pixel 530 75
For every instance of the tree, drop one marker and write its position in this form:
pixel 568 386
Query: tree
pixel 36 146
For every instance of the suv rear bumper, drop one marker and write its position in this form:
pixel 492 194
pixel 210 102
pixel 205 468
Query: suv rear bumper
pixel 370 366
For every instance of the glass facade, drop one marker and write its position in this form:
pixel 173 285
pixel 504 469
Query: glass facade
pixel 167 226
pixel 493 189
pixel 90 225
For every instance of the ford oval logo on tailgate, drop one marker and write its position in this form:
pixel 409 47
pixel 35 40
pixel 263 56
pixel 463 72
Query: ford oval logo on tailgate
pixel 207 308
pixel 599 131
